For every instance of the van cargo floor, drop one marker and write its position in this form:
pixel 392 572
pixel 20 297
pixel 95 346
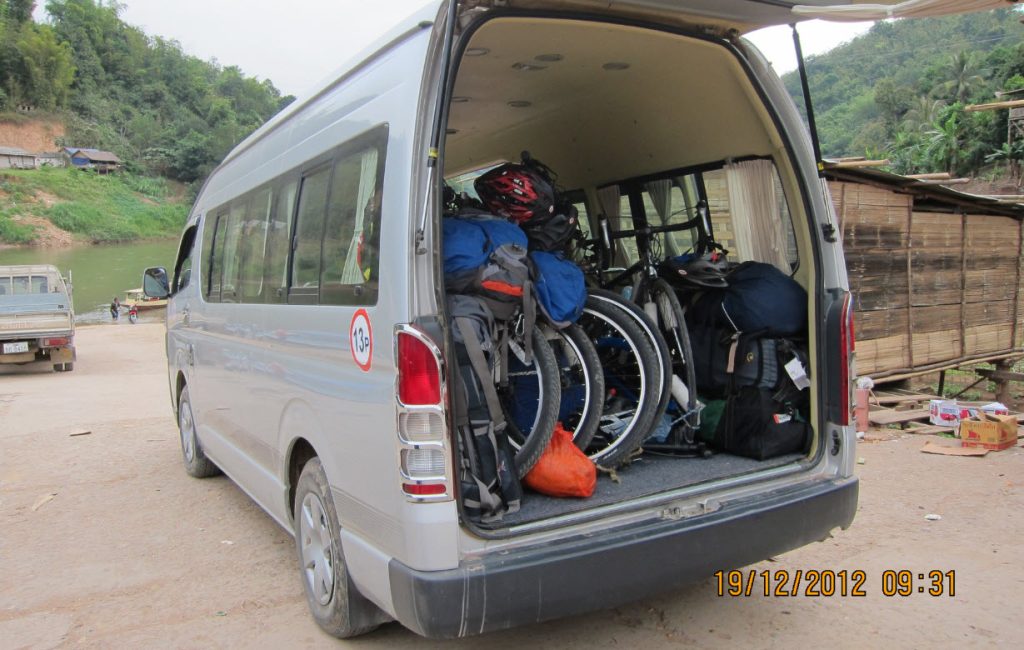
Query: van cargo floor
pixel 650 474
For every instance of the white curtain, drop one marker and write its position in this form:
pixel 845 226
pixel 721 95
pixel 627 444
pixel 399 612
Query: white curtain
pixel 906 9
pixel 608 198
pixel 757 224
pixel 661 196
pixel 367 184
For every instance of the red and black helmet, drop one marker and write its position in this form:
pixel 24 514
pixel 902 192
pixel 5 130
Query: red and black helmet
pixel 516 192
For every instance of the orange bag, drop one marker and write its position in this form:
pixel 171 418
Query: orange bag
pixel 563 470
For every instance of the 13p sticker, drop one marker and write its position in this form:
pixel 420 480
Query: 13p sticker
pixel 360 337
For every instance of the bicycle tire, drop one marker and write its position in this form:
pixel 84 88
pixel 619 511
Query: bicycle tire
pixel 582 382
pixel 629 364
pixel 651 331
pixel 679 336
pixel 542 376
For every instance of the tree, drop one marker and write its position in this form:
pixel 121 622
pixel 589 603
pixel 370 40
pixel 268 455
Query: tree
pixel 964 77
pixel 48 71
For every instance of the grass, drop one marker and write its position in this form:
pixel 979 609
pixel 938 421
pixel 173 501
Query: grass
pixel 100 208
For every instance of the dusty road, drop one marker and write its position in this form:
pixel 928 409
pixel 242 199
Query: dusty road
pixel 105 542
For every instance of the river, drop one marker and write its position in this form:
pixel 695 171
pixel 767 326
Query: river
pixel 99 272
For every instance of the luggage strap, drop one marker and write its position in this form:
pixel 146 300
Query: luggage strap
pixel 483 372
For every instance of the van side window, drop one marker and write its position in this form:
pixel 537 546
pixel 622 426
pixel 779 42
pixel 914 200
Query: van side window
pixel 229 291
pixel 351 238
pixel 279 239
pixel 309 233
pixel 216 270
pixel 253 246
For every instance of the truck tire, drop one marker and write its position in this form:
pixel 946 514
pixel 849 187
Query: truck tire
pixel 196 462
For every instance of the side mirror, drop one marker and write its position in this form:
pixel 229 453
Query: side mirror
pixel 154 282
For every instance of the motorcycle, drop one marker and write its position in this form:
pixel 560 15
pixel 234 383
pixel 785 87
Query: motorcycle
pixel 133 314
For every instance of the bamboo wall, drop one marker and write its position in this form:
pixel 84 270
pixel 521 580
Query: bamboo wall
pixel 930 288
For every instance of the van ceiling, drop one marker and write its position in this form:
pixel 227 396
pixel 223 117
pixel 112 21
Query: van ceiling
pixel 618 102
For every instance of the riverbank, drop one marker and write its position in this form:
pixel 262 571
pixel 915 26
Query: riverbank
pixel 59 207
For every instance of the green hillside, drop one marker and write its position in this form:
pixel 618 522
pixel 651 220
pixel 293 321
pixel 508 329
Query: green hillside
pixel 899 92
pixel 93 208
pixel 160 110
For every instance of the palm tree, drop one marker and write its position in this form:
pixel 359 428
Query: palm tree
pixel 923 113
pixel 964 76
pixel 944 144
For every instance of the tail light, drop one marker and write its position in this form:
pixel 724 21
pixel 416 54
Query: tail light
pixel 419 371
pixel 54 342
pixel 424 458
pixel 846 367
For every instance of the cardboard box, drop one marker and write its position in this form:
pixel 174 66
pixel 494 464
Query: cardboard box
pixel 949 413
pixel 993 432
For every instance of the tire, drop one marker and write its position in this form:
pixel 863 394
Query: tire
pixel 673 326
pixel 196 462
pixel 58 367
pixel 582 382
pixel 632 381
pixel 663 356
pixel 335 603
pixel 69 366
pixel 531 419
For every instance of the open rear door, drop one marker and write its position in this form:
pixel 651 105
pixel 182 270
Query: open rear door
pixel 897 9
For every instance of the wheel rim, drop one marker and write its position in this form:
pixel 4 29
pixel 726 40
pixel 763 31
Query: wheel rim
pixel 568 368
pixel 317 550
pixel 618 425
pixel 187 429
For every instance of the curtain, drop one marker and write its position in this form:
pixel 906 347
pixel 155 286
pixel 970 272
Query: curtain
pixel 757 223
pixel 661 196
pixel 367 185
pixel 906 9
pixel 608 198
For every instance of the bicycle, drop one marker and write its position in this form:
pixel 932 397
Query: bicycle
pixel 658 301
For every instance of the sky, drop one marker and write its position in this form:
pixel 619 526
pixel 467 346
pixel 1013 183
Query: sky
pixel 296 44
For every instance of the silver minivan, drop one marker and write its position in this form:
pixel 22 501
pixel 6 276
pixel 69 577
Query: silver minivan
pixel 308 344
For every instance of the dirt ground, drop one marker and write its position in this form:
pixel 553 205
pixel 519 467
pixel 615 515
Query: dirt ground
pixel 106 542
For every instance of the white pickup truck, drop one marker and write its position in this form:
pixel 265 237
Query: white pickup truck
pixel 37 319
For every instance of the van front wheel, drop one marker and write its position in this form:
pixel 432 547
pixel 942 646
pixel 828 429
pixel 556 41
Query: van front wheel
pixel 196 462
pixel 333 600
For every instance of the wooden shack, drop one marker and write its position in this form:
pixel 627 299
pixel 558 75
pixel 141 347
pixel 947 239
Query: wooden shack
pixel 935 273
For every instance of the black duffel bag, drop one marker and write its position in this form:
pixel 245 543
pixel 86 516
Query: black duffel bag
pixel 756 425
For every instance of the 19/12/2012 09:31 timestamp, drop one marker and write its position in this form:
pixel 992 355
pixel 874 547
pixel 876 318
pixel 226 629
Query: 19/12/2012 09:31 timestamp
pixel 825 583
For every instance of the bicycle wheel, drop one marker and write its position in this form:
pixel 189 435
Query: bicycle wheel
pixel 663 378
pixel 582 382
pixel 632 382
pixel 672 321
pixel 530 396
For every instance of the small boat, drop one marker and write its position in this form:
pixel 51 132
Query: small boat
pixel 141 302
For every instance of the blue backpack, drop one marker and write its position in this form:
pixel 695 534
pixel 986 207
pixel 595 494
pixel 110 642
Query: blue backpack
pixel 485 256
pixel 561 291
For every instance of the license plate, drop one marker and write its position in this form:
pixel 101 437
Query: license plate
pixel 14 348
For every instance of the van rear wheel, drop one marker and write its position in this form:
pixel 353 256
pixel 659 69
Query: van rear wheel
pixel 333 600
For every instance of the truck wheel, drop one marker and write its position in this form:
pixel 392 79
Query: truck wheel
pixel 196 462
pixel 335 603
pixel 58 367
pixel 68 367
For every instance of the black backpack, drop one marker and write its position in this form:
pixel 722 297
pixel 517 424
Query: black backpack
pixel 489 485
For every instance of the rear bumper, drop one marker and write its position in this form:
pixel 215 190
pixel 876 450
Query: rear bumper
pixel 582 574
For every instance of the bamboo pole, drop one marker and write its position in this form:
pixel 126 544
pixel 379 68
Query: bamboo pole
pixel 845 164
pixel 934 176
pixel 994 106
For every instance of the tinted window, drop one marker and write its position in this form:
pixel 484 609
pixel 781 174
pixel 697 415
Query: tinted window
pixel 216 272
pixel 349 265
pixel 309 232
pixel 231 257
pixel 279 238
pixel 253 245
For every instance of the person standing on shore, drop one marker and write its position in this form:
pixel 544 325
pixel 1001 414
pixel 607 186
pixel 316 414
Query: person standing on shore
pixel 115 308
